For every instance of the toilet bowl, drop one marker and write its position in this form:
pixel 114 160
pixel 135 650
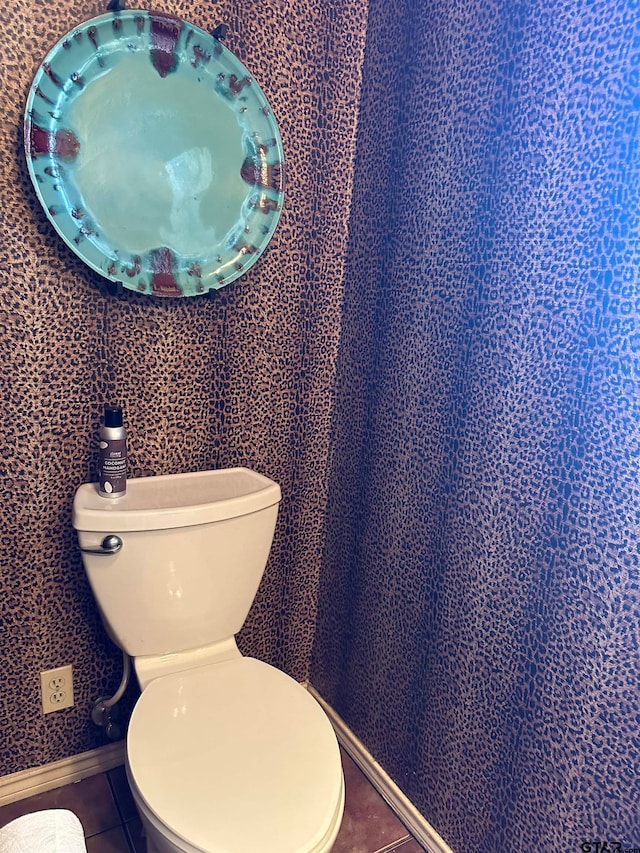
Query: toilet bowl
pixel 224 752
pixel 258 768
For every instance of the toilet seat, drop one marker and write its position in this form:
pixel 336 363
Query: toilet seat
pixel 236 756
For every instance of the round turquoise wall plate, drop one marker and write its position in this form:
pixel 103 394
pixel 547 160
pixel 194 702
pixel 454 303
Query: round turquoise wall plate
pixel 154 153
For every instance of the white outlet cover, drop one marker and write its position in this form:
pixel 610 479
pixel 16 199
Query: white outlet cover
pixel 56 687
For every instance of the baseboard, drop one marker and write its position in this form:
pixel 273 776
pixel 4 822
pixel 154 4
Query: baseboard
pixel 417 825
pixel 26 783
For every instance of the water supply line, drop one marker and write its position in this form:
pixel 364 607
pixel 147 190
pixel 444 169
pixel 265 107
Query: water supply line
pixel 101 713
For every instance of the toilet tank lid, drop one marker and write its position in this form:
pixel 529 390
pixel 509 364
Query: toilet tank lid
pixel 175 500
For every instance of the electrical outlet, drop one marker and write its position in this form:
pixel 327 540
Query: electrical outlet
pixel 57 689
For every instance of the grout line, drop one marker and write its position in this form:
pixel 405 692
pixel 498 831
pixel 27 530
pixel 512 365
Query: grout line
pixel 394 845
pixel 114 797
pixel 123 822
pixel 129 839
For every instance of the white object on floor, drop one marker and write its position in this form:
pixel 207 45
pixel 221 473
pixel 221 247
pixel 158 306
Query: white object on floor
pixel 50 831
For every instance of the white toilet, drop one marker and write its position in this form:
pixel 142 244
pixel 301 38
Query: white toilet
pixel 225 754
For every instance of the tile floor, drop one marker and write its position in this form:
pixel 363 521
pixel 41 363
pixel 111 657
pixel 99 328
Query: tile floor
pixel 107 812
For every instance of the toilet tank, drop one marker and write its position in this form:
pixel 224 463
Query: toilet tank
pixel 194 548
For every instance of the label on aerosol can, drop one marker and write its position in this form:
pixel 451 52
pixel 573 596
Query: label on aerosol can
pixel 112 465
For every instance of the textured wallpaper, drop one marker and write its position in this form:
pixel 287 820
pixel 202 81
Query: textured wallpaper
pixel 436 358
pixel 479 623
pixel 244 378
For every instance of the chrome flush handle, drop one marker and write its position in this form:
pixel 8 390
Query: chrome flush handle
pixel 110 545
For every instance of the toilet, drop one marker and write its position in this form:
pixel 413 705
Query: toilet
pixel 225 753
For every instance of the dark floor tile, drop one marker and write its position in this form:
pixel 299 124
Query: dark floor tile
pixel 112 841
pixel 90 799
pixel 122 793
pixel 368 824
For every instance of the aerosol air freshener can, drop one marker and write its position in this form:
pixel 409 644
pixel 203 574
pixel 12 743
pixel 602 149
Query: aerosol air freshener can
pixel 112 466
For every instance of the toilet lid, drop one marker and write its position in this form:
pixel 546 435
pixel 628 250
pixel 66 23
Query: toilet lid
pixel 236 756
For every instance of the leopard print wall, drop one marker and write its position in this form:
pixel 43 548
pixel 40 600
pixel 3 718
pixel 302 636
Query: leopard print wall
pixel 243 378
pixel 479 623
